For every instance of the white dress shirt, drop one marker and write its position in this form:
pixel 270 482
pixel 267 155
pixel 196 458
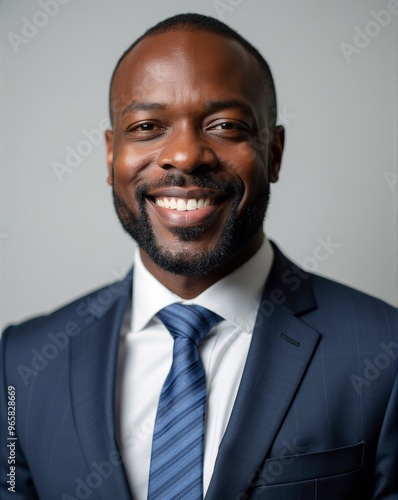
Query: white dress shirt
pixel 145 358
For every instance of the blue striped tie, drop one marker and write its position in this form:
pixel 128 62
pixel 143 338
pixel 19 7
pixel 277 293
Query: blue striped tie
pixel 178 441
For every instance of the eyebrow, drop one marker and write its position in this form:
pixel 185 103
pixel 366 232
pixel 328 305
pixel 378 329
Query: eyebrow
pixel 229 104
pixel 212 106
pixel 143 106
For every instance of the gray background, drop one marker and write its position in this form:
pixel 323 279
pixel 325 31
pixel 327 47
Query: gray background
pixel 59 240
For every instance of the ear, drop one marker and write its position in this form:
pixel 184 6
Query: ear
pixel 275 152
pixel 109 154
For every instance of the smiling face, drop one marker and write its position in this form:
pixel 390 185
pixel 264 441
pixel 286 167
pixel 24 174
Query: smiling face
pixel 190 176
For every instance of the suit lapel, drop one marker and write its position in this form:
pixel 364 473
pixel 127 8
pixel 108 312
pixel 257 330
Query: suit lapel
pixel 93 362
pixel 280 351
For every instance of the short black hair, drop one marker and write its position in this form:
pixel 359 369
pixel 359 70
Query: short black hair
pixel 199 22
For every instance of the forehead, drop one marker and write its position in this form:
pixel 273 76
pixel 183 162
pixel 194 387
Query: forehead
pixel 186 66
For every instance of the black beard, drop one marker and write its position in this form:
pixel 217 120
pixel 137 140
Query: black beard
pixel 237 231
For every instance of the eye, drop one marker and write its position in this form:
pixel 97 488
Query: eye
pixel 144 130
pixel 146 127
pixel 229 129
pixel 228 126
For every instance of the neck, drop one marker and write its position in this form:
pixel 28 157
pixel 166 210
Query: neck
pixel 189 287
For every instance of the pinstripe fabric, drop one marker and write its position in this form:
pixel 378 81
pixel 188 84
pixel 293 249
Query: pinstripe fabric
pixel 178 442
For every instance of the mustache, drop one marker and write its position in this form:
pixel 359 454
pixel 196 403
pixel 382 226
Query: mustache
pixel 228 187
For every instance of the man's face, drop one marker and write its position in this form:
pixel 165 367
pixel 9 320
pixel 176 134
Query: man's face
pixel 190 177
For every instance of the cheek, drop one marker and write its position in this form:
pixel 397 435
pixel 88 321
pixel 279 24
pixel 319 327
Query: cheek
pixel 129 167
pixel 251 168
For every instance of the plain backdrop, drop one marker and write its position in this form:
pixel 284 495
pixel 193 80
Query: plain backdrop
pixel 59 236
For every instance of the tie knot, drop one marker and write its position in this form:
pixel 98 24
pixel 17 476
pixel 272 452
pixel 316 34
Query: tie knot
pixel 191 322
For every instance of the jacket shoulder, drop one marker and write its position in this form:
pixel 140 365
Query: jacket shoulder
pixel 341 300
pixel 319 297
pixel 327 289
pixel 71 317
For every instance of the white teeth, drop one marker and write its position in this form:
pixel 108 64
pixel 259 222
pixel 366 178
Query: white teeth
pixel 183 204
pixel 191 205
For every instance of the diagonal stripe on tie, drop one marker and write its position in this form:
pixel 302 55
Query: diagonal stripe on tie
pixel 176 470
pixel 164 444
pixel 177 457
pixel 186 417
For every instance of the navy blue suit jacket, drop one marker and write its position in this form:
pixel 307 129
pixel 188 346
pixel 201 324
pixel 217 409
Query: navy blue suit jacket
pixel 315 416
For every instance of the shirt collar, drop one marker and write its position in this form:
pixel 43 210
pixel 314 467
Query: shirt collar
pixel 235 297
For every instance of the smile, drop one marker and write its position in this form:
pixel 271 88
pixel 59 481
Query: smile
pixel 187 207
pixel 183 204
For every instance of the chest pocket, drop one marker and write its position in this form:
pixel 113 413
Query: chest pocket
pixel 326 475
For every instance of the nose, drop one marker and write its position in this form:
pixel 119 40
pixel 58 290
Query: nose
pixel 187 150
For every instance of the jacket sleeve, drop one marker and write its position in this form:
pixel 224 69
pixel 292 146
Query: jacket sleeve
pixel 16 481
pixel 386 466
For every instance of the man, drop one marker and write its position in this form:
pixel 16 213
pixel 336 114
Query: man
pixel 299 397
